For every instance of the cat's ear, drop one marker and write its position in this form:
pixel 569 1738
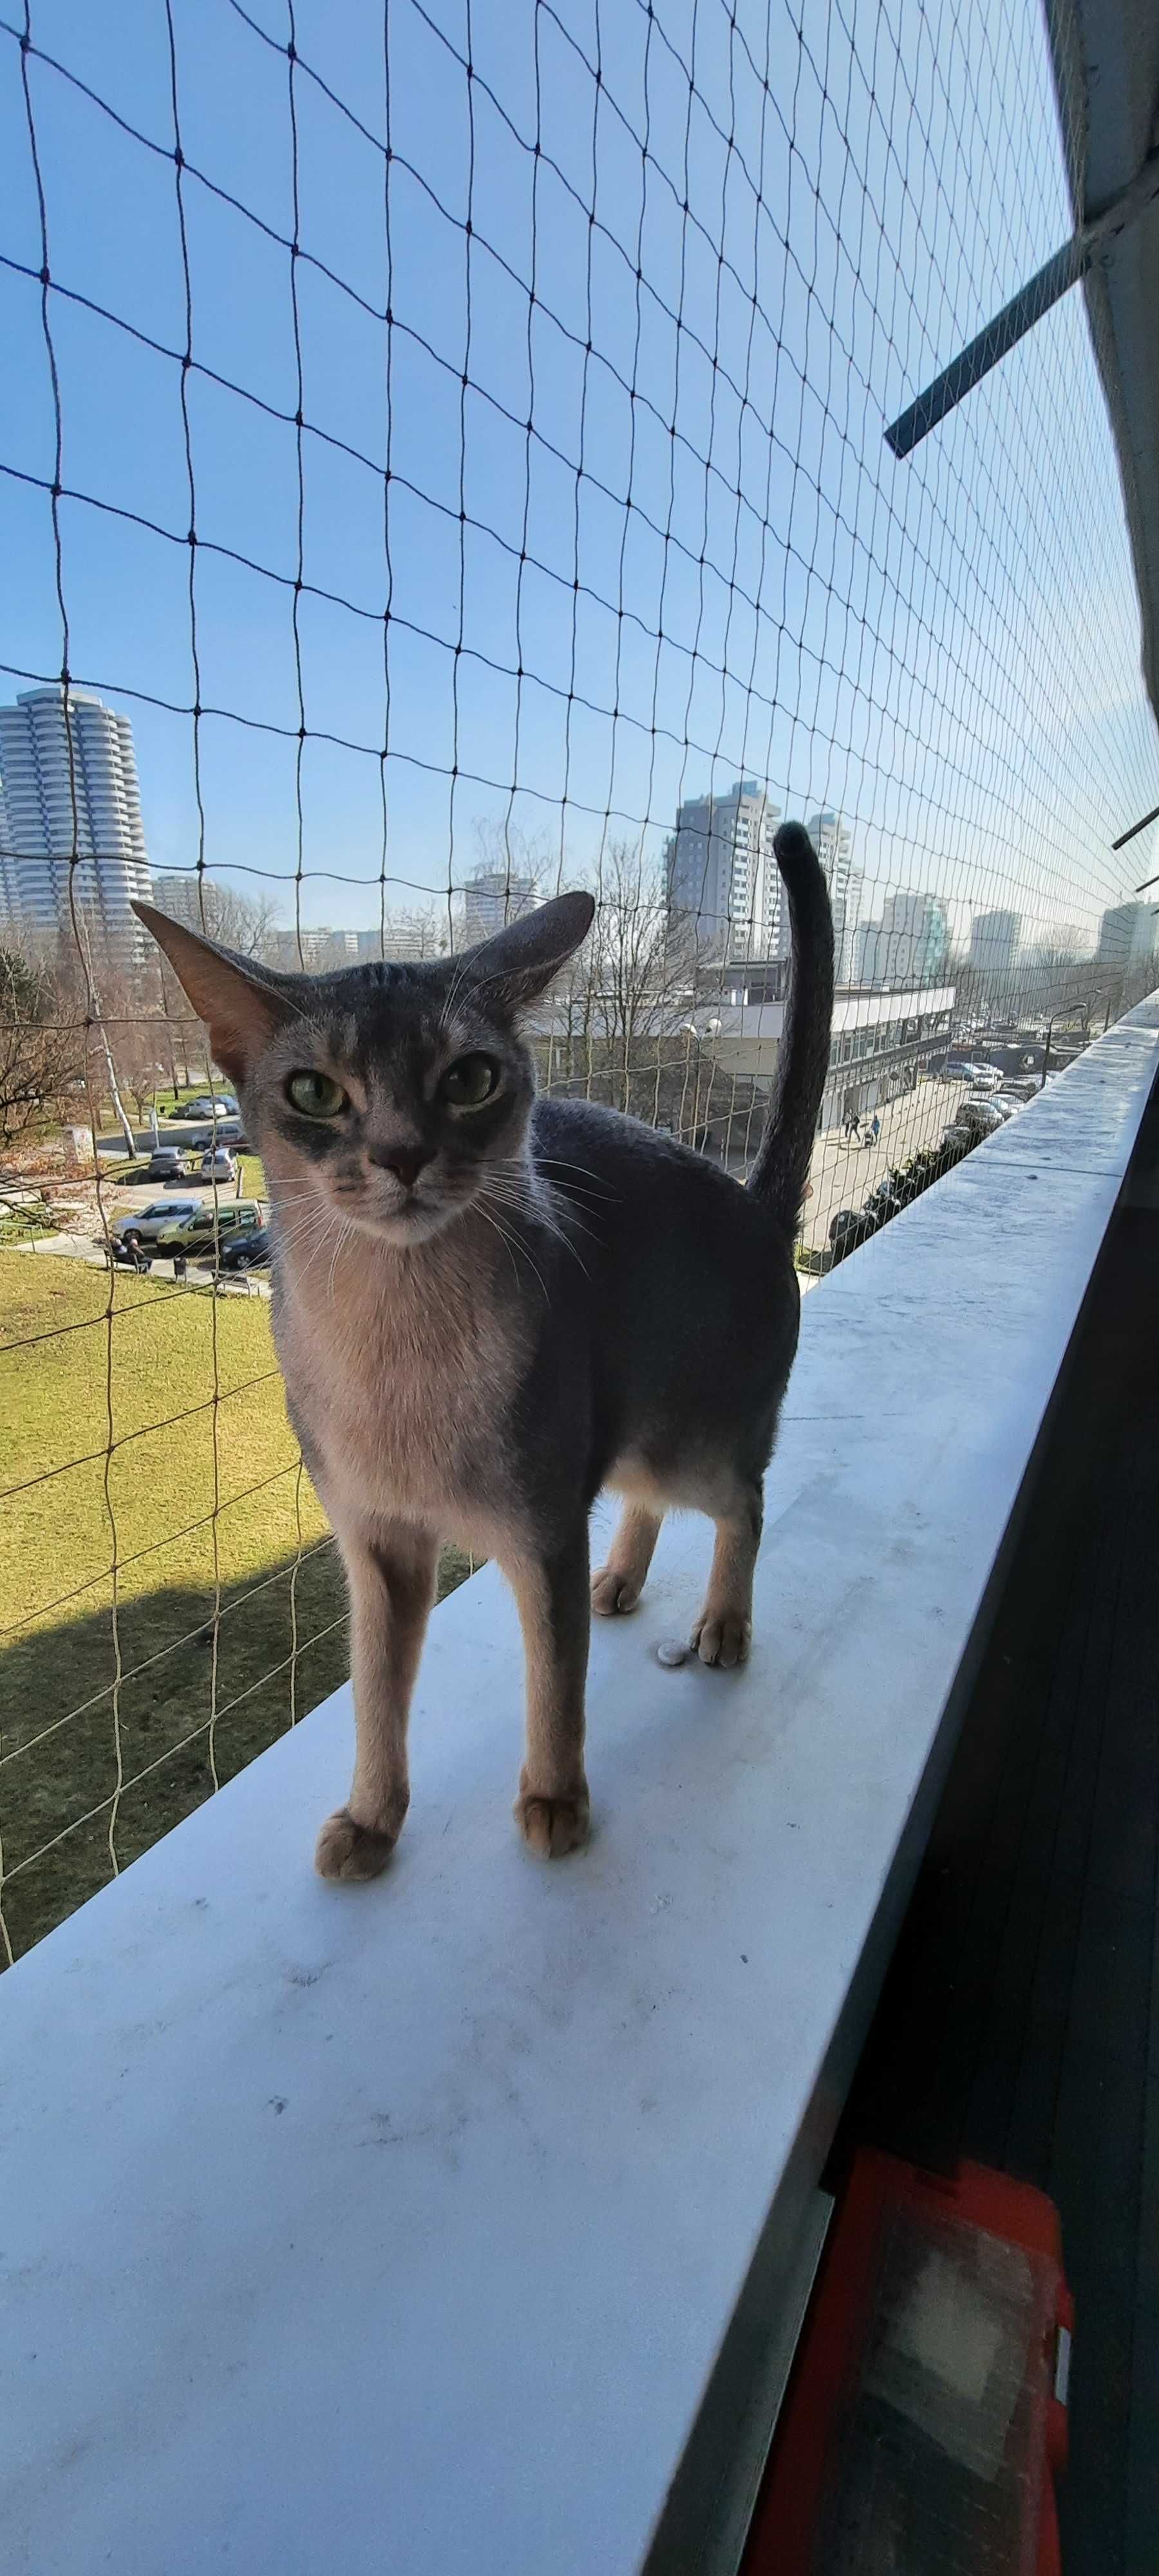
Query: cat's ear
pixel 241 1004
pixel 519 962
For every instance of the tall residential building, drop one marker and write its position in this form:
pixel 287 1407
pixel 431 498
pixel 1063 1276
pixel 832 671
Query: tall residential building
pixel 70 791
pixel 909 945
pixel 994 938
pixel 492 898
pixel 722 882
pixel 833 842
pixel 1126 936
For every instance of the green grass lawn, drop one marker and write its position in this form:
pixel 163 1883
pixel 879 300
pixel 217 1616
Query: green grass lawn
pixel 218 1628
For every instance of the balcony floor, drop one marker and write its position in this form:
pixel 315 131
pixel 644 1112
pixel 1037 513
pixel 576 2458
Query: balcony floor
pixel 1028 1966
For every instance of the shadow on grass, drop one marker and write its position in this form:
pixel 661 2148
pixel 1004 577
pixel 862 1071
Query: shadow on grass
pixel 197 1698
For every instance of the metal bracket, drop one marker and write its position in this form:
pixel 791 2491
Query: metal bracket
pixel 1024 310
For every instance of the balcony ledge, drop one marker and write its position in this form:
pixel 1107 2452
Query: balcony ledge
pixel 404 2226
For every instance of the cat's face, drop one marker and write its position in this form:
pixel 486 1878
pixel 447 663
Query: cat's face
pixel 390 1101
pixel 392 1097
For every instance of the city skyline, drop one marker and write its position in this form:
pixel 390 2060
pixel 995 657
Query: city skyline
pixel 35 786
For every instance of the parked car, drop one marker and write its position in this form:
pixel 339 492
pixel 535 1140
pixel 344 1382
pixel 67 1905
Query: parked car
pixel 217 1164
pixel 1009 1102
pixel 956 1070
pixel 206 1106
pixel 248 1251
pixel 228 1131
pixel 849 1227
pixel 984 1077
pixel 206 1225
pixel 167 1163
pixel 978 1111
pixel 141 1226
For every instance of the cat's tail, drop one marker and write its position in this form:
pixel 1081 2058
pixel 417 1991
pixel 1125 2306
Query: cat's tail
pixel 781 1169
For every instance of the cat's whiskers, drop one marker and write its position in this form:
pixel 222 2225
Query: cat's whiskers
pixel 513 1242
pixel 556 1163
pixel 346 1229
pixel 324 1233
pixel 496 1228
pixel 507 1194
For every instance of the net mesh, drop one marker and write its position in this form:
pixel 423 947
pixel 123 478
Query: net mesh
pixel 445 463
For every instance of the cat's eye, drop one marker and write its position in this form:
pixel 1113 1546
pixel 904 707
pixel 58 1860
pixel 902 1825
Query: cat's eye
pixel 315 1094
pixel 469 1082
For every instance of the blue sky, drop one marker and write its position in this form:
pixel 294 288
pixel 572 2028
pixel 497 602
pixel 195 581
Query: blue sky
pixel 948 649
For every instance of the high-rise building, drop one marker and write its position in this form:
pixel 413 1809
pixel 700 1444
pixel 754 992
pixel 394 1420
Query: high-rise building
pixel 994 938
pixel 492 898
pixel 833 842
pixel 72 820
pixel 908 946
pixel 1126 936
pixel 722 881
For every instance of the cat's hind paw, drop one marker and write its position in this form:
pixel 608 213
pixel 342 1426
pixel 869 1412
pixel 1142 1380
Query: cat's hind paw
pixel 347 1850
pixel 552 1827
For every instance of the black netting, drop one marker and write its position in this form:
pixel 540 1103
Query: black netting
pixel 455 443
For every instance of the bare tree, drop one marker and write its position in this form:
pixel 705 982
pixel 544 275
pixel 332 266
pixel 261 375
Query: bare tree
pixel 41 1051
pixel 236 920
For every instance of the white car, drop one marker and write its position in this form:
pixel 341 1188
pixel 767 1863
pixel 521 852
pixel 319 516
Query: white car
pixel 984 1077
pixel 219 1166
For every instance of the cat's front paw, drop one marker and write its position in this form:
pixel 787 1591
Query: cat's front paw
pixel 552 1826
pixel 723 1637
pixel 349 1850
pixel 613 1594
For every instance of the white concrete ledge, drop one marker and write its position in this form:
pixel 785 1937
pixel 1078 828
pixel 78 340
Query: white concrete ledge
pixel 400 2227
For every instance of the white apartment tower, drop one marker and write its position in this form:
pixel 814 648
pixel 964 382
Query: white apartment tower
pixel 722 877
pixel 57 808
pixel 833 842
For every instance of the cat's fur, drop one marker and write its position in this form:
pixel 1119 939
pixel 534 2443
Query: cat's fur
pixel 484 1314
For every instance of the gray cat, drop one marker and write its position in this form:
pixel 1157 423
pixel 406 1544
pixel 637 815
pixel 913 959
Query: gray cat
pixel 487 1305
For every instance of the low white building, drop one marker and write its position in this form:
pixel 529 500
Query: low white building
pixel 881 1041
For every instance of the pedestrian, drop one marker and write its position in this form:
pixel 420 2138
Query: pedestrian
pixel 180 1265
pixel 854 1127
pixel 875 1130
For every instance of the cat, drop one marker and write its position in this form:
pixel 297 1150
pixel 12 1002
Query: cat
pixel 489 1303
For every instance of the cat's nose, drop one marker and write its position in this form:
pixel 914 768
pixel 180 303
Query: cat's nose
pixel 405 1161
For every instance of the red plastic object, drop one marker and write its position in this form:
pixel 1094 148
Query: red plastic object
pixel 925 2419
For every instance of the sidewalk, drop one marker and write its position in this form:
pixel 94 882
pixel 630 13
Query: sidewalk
pixel 841 1175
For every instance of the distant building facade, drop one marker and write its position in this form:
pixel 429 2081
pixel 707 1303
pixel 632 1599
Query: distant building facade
pixel 833 842
pixel 320 951
pixel 72 833
pixel 909 945
pixel 404 942
pixel 994 938
pixel 721 877
pixel 492 898
pixel 1126 936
